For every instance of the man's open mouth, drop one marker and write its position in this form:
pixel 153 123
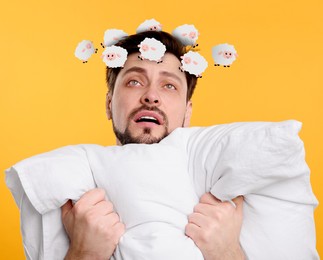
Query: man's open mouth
pixel 148 117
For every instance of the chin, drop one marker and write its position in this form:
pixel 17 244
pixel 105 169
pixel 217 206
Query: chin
pixel 150 136
pixel 141 136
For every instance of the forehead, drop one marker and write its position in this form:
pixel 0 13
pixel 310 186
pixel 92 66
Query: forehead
pixel 170 64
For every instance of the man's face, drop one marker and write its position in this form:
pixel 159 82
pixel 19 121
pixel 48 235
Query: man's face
pixel 149 100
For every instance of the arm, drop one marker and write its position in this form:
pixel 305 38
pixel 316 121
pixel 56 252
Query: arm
pixel 215 228
pixel 93 227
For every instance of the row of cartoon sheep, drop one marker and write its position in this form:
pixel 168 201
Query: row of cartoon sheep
pixel 151 49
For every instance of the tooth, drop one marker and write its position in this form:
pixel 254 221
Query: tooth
pixel 148 117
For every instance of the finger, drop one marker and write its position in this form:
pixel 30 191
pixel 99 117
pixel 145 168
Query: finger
pixel 103 208
pixel 112 219
pixel 192 231
pixel 66 208
pixel 208 198
pixel 119 228
pixel 198 219
pixel 239 203
pixel 92 197
pixel 205 209
pixel 117 231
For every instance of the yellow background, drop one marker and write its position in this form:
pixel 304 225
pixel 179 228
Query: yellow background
pixel 49 99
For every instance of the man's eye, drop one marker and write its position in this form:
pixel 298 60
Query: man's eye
pixel 170 86
pixel 134 83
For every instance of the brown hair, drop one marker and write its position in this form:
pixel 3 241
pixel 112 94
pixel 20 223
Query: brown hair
pixel 173 46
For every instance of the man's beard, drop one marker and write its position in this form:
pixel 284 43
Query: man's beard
pixel 145 137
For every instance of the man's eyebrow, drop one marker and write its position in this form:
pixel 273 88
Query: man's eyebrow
pixel 171 75
pixel 144 71
pixel 135 69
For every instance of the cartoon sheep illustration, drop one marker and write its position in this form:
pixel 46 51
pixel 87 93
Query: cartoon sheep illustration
pixel 224 54
pixel 84 50
pixel 151 49
pixel 112 36
pixel 114 56
pixel 194 63
pixel 187 34
pixel 149 25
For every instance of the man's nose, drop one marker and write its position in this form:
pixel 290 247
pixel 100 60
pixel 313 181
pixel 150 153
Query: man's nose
pixel 151 98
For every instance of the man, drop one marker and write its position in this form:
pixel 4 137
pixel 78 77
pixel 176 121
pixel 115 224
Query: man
pixel 147 101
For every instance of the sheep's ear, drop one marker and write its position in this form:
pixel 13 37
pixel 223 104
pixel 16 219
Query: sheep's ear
pixel 195 62
pixel 220 52
pixel 139 45
pixel 236 54
pixel 118 55
pixel 184 34
pixel 153 48
pixel 160 25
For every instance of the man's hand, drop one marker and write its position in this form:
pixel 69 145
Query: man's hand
pixel 92 225
pixel 215 228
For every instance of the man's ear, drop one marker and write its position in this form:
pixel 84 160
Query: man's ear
pixel 108 105
pixel 188 114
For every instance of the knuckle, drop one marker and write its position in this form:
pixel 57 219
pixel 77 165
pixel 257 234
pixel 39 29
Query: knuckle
pixel 204 196
pixel 205 236
pixel 190 231
pixel 100 191
pixel 197 207
pixel 188 227
pixel 89 217
pixel 108 205
pixel 117 218
pixel 227 207
pixel 102 229
pixel 108 236
pixel 122 227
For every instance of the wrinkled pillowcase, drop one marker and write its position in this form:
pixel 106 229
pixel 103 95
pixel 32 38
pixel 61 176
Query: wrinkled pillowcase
pixel 232 163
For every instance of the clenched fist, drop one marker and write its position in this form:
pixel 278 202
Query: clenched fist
pixel 92 225
pixel 215 228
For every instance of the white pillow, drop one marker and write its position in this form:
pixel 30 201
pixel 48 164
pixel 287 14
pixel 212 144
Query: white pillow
pixel 265 162
pixel 262 161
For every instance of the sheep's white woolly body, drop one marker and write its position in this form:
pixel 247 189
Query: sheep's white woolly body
pixel 194 63
pixel 112 36
pixel 114 56
pixel 151 49
pixel 187 34
pixel 84 50
pixel 149 25
pixel 224 54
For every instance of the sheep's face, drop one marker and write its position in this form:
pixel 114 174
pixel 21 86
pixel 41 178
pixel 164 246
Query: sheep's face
pixel 88 47
pixel 153 28
pixel 227 54
pixel 187 60
pixel 111 56
pixel 149 100
pixel 192 35
pixel 144 47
